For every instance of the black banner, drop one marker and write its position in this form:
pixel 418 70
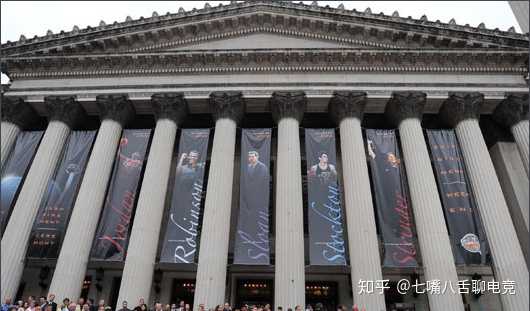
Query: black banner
pixel 252 237
pixel 113 231
pixel 14 171
pixel 54 211
pixel 180 240
pixel 467 237
pixel 326 230
pixel 392 200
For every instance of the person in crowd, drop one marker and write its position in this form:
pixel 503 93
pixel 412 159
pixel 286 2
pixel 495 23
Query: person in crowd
pixel 158 306
pixel 101 308
pixel 64 305
pixel 37 308
pixel 280 308
pixel 141 302
pixel 72 306
pixel 42 301
pixel 167 307
pixel 91 304
pixel 12 308
pixel 51 302
pixel 101 303
pixel 31 305
pixel 298 308
pixel 201 307
pixel 7 304
pixel 289 309
pixel 227 307
pixel 124 306
pixel 86 307
pixel 143 307
pixel 187 307
pixel 218 308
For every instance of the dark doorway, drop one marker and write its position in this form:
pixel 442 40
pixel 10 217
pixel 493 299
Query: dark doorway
pixel 254 292
pixel 321 292
pixel 183 289
pixel 114 291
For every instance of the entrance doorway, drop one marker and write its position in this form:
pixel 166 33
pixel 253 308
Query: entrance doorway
pixel 254 292
pixel 322 292
pixel 183 289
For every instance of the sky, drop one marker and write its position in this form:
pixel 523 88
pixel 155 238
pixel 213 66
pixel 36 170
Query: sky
pixel 37 17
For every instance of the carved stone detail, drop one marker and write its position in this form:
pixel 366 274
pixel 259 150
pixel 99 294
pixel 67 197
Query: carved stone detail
pixel 461 106
pixel 512 109
pixel 65 109
pixel 405 105
pixel 15 110
pixel 288 105
pixel 347 105
pixel 116 107
pixel 229 105
pixel 171 106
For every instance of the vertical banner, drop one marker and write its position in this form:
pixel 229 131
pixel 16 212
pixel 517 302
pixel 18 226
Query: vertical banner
pixel 180 239
pixel 115 222
pixel 391 196
pixel 14 171
pixel 54 211
pixel 252 237
pixel 324 213
pixel 467 237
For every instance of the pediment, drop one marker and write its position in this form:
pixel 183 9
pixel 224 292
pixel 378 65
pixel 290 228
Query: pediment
pixel 264 41
pixel 260 25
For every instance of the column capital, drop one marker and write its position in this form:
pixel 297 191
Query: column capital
pixel 15 110
pixel 229 105
pixel 405 105
pixel 65 109
pixel 345 104
pixel 170 106
pixel 460 106
pixel 512 109
pixel 288 105
pixel 116 107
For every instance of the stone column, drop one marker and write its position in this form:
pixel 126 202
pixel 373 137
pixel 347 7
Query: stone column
pixel 15 115
pixel 228 109
pixel 405 110
pixel 289 273
pixel 64 113
pixel 512 112
pixel 67 281
pixel 462 110
pixel 169 109
pixel 347 108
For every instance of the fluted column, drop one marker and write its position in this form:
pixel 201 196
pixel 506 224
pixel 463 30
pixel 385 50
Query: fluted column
pixel 169 109
pixel 289 273
pixel 462 110
pixel 67 281
pixel 347 108
pixel 512 112
pixel 405 110
pixel 15 115
pixel 228 109
pixel 64 112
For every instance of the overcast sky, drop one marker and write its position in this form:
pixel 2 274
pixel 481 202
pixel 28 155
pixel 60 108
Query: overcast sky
pixel 37 17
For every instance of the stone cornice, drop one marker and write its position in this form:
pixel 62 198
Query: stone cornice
pixel 265 60
pixel 209 22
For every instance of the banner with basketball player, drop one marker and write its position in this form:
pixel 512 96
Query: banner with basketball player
pixel 54 210
pixel 252 235
pixel 465 229
pixel 14 171
pixel 112 235
pixel 186 182
pixel 324 210
pixel 394 215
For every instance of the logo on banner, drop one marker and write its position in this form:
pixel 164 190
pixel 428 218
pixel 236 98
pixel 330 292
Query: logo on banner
pixel 470 243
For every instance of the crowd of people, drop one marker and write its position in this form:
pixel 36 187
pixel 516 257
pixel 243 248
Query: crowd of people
pixel 49 304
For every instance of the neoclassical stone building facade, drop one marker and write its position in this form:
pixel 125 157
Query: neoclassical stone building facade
pixel 288 67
